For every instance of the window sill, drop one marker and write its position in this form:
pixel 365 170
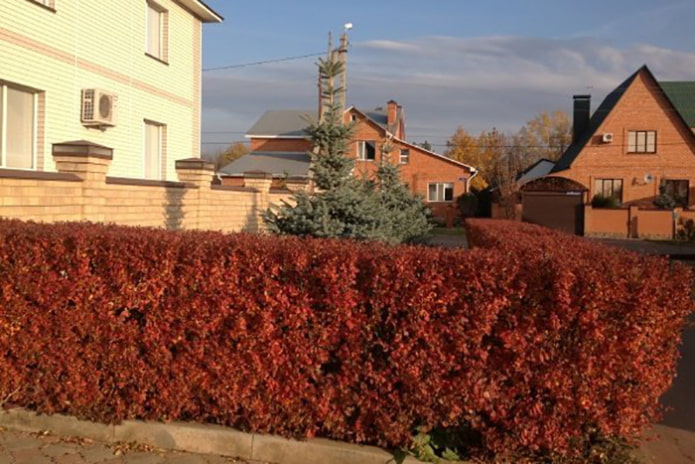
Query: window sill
pixel 364 160
pixel 44 6
pixel 156 58
pixel 641 153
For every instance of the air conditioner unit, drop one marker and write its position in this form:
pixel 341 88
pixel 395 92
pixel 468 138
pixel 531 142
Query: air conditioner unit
pixel 98 108
pixel 607 137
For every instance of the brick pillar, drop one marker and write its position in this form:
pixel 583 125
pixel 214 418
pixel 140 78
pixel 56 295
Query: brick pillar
pixel 633 222
pixel 198 174
pixel 90 162
pixel 677 214
pixel 588 220
pixel 259 181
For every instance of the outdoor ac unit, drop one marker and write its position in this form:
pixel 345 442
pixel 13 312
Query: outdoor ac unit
pixel 98 108
pixel 607 137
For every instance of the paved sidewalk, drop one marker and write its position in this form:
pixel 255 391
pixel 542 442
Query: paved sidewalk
pixel 33 448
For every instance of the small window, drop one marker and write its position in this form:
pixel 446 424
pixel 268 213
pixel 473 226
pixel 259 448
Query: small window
pixel 641 141
pixel 678 190
pixel 366 150
pixel 157 27
pixel 153 155
pixel 405 156
pixel 609 188
pixel 440 192
pixel 17 128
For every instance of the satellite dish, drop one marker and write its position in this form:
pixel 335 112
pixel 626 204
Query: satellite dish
pixel 648 178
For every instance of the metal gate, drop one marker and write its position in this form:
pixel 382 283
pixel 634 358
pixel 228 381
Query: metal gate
pixel 554 202
pixel 561 211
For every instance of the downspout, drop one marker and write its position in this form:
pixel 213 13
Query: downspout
pixel 469 179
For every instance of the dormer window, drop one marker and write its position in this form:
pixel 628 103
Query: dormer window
pixel 641 141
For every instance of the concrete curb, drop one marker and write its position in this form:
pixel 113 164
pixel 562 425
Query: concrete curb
pixel 204 439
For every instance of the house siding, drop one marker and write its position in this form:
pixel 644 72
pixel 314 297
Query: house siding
pixel 642 107
pixel 102 45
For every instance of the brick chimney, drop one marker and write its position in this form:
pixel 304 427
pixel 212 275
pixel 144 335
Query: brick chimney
pixel 581 116
pixel 391 113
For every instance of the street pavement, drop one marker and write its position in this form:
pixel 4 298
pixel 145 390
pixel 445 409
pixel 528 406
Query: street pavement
pixel 40 448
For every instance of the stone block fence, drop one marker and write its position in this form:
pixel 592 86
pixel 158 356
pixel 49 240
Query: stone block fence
pixel 82 190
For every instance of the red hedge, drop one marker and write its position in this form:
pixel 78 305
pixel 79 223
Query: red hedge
pixel 531 342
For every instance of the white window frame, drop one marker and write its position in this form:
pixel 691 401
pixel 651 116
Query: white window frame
pixel 160 152
pixel 162 12
pixel 362 150
pixel 404 159
pixel 3 126
pixel 440 192
pixel 638 141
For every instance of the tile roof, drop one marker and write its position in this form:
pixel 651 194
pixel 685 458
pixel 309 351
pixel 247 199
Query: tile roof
pixel 682 95
pixel 275 163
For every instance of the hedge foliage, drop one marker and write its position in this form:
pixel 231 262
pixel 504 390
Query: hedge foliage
pixel 532 343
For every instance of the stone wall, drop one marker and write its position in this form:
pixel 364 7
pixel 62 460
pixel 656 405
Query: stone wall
pixel 81 190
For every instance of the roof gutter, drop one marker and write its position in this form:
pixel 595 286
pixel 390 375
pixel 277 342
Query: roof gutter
pixel 202 11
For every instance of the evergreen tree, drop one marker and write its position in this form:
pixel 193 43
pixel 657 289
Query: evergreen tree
pixel 344 205
pixel 404 217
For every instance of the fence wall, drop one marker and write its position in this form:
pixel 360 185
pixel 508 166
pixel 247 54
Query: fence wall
pixel 81 190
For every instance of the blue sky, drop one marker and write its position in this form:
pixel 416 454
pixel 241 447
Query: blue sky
pixel 472 63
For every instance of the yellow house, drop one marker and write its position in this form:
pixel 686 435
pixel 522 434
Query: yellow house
pixel 120 73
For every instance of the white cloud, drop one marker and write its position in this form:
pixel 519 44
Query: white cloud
pixel 446 82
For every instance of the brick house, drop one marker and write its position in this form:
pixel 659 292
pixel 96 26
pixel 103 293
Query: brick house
pixel 637 145
pixel 280 146
pixel 122 74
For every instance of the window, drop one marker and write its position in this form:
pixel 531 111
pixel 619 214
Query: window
pixel 153 150
pixel 405 156
pixel 17 127
pixel 609 188
pixel 641 141
pixel 157 28
pixel 441 191
pixel 366 150
pixel 678 190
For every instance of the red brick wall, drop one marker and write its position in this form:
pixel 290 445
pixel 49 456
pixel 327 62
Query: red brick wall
pixel 642 107
pixel 422 169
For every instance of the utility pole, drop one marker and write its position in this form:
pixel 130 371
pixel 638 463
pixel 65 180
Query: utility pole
pixel 323 99
pixel 337 55
pixel 342 58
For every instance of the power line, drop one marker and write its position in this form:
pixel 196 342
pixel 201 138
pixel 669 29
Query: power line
pixel 258 63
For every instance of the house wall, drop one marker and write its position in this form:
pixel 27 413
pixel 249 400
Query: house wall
pixel 102 45
pixel 421 170
pixel 82 190
pixel 642 107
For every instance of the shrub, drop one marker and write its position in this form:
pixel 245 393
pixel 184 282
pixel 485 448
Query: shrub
pixel 527 345
pixel 599 201
pixel 467 205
